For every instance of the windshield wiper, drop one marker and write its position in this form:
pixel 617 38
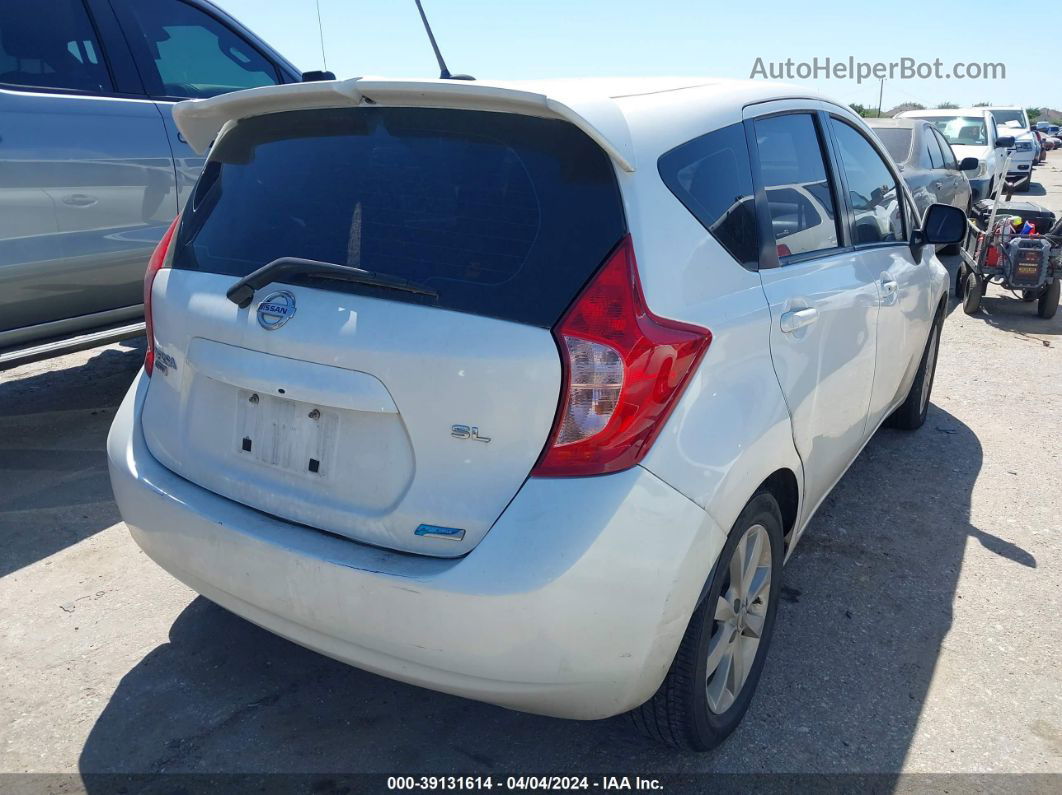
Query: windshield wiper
pixel 243 291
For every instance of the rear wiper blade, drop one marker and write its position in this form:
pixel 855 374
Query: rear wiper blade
pixel 243 291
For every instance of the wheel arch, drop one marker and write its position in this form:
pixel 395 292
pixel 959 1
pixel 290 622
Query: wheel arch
pixel 784 485
pixel 785 488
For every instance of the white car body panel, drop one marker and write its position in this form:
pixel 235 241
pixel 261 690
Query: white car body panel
pixel 733 401
pixel 531 619
pixel 368 382
pixel 566 596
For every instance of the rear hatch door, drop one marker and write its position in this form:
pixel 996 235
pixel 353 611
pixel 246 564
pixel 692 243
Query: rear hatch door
pixel 391 417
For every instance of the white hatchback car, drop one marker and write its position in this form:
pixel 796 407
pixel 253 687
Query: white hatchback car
pixel 524 392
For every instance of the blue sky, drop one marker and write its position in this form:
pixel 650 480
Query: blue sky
pixel 547 38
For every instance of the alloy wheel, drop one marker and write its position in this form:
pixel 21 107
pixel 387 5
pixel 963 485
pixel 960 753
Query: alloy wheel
pixel 740 615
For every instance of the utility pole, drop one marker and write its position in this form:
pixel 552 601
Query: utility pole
pixel 881 92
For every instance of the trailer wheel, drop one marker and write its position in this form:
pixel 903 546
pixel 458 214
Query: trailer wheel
pixel 1049 300
pixel 960 281
pixel 973 292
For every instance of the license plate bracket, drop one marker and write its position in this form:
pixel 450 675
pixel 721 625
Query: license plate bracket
pixel 285 434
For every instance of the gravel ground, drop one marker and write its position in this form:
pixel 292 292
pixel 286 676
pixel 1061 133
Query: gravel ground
pixel 919 631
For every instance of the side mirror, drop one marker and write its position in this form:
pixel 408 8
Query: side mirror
pixel 969 164
pixel 317 75
pixel 942 225
pixel 1006 142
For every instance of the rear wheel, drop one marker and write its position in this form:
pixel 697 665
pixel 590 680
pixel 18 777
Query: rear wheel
pixel 1048 304
pixel 973 292
pixel 715 671
pixel 911 414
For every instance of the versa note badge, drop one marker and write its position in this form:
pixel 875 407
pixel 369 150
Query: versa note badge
pixel 468 432
pixel 276 310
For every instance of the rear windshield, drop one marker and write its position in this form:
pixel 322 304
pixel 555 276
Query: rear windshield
pixel 503 215
pixel 897 141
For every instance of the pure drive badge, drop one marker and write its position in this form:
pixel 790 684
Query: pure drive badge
pixel 276 310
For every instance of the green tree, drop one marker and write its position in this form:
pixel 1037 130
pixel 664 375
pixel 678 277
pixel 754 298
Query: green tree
pixel 947 105
pixel 860 109
pixel 1033 113
pixel 903 106
pixel 982 104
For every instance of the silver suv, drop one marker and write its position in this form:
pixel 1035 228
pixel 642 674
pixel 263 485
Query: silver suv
pixel 92 168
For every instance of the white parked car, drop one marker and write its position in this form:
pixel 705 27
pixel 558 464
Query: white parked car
pixel 973 132
pixel 524 392
pixel 1025 153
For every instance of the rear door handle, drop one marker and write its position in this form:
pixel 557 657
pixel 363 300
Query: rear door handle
pixel 797 318
pixel 79 200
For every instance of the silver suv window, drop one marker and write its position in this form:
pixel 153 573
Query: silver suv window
pixel 195 55
pixel 50 44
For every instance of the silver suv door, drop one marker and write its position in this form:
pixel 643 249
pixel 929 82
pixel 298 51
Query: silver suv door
pixel 86 165
pixel 188 50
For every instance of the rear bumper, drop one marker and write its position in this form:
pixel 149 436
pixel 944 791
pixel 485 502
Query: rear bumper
pixel 573 605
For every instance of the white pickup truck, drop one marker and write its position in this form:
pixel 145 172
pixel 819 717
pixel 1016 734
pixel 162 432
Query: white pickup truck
pixel 1013 120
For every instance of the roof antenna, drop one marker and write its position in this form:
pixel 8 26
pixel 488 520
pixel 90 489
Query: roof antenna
pixel 323 73
pixel 320 30
pixel 444 73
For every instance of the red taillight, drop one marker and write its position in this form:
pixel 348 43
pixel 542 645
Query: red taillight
pixel 624 370
pixel 158 261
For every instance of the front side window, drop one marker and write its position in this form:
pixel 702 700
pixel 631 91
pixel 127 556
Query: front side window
pixel 933 153
pixel 711 176
pixel 50 44
pixel 795 180
pixel 873 194
pixel 195 55
pixel 945 149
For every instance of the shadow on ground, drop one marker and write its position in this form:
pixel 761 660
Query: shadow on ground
pixel 867 601
pixel 54 486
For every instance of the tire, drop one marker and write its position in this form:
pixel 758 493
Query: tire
pixel 973 292
pixel 681 713
pixel 911 414
pixel 960 281
pixel 1028 296
pixel 1025 185
pixel 1048 303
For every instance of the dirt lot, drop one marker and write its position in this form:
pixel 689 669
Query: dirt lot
pixel 920 629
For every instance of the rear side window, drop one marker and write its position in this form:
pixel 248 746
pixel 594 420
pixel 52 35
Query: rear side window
pixel 712 177
pixel 503 215
pixel 50 44
pixel 798 191
pixel 897 141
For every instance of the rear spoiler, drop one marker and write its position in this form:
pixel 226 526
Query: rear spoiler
pixel 202 120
